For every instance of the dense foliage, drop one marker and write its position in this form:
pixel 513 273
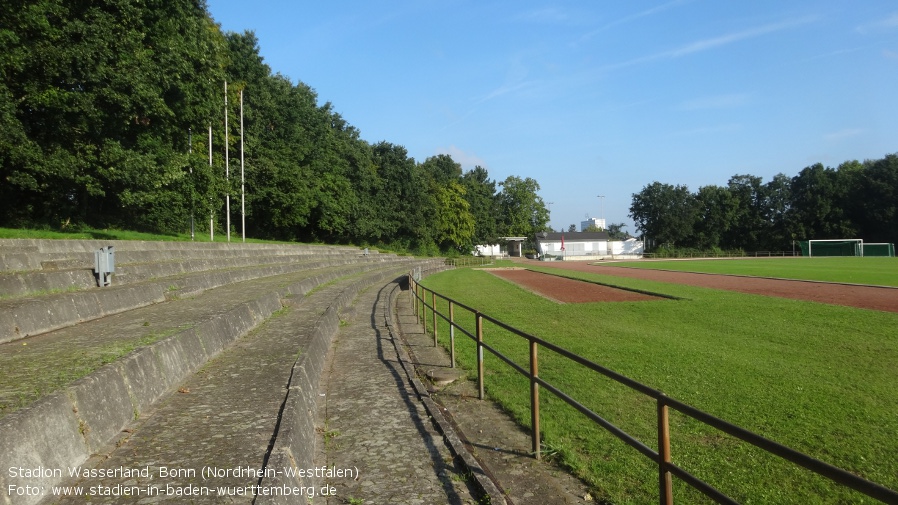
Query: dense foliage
pixel 106 109
pixel 855 200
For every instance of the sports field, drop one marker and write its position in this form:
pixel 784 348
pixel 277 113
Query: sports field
pixel 818 378
pixel 876 271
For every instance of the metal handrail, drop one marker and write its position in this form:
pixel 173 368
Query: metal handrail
pixel 666 468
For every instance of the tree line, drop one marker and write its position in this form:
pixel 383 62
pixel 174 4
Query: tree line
pixel 854 200
pixel 105 114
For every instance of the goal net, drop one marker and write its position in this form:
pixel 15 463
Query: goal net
pixel 833 247
pixel 879 249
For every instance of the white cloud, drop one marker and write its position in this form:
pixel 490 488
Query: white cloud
pixel 545 15
pixel 713 43
pixel 728 101
pixel 707 130
pixel 467 160
pixel 633 17
pixel 843 134
pixel 504 89
pixel 889 23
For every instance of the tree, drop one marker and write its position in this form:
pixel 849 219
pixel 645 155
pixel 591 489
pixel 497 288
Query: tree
pixel 874 196
pixel 666 214
pixel 523 211
pixel 818 198
pixel 748 222
pixel 105 112
pixel 777 202
pixel 572 228
pixel 452 219
pixel 480 192
pixel 402 196
pixel 716 211
pixel 616 231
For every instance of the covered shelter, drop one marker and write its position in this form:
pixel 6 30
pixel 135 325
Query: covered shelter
pixel 515 245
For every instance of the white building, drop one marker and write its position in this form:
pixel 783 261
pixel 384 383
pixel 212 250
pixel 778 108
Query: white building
pixel 586 246
pixel 592 221
pixel 577 246
pixel 630 248
pixel 493 250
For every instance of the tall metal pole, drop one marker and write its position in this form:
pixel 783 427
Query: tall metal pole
pixel 242 190
pixel 211 212
pixel 227 169
pixel 602 200
pixel 190 167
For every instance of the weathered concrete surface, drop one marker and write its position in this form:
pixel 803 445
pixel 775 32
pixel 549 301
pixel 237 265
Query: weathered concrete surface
pixel 223 417
pixel 40 365
pixel 499 444
pixel 99 405
pixel 372 422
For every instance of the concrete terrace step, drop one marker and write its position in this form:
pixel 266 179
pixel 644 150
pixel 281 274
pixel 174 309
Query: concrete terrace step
pixel 17 255
pixel 237 400
pixel 39 365
pixel 63 429
pixel 23 317
pixel 147 265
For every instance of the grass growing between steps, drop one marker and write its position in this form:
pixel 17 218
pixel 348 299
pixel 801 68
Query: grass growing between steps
pixel 26 380
pixel 817 378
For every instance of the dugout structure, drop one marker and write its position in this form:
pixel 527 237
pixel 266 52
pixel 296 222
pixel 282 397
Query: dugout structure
pixel 832 247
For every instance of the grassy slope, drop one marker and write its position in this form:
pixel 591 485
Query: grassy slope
pixel 815 377
pixel 877 271
pixel 110 234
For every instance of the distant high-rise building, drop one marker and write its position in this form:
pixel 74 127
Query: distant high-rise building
pixel 592 221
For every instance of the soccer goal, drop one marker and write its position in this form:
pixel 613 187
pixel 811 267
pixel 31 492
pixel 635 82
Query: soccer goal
pixel 879 249
pixel 833 247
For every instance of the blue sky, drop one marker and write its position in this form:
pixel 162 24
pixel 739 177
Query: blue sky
pixel 598 97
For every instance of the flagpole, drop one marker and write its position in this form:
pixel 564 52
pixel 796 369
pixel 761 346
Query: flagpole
pixel 242 190
pixel 211 212
pixel 227 169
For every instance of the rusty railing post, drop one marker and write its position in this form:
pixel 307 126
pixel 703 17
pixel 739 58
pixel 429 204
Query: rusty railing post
pixel 433 312
pixel 415 299
pixel 534 399
pixel 413 291
pixel 480 355
pixel 665 480
pixel 424 308
pixel 452 333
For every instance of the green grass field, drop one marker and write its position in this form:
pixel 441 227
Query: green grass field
pixel 817 378
pixel 877 271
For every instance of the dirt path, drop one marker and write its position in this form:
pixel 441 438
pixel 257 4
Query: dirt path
pixel 865 297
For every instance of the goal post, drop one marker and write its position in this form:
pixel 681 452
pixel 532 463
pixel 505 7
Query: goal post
pixel 879 249
pixel 833 247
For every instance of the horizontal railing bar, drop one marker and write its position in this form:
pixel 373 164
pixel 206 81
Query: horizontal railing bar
pixel 826 470
pixel 700 485
pixel 821 468
pixel 456 302
pixel 614 430
pixel 507 360
pixel 464 331
pixel 626 381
